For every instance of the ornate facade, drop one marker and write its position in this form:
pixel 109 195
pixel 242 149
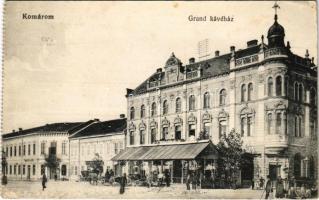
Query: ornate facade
pixel 265 92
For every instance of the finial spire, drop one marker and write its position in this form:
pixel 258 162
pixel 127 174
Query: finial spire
pixel 276 6
pixel 307 53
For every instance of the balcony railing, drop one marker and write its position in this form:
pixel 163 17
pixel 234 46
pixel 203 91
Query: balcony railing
pixel 246 60
pixel 275 52
pixel 192 74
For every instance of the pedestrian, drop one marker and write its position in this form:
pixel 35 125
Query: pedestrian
pixel 188 181
pixel 55 177
pixel 123 183
pixel 107 175
pixel 268 187
pixel 44 180
pixel 261 182
pixel 194 181
pixel 280 188
pixel 167 178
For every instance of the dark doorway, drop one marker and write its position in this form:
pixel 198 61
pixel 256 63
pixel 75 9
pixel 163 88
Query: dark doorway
pixel 274 172
pixel 177 171
pixel 247 170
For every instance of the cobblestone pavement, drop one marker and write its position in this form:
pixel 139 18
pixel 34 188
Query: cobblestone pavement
pixel 69 189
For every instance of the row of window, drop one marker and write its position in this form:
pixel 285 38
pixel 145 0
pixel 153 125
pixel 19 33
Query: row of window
pixel 20 170
pixel 177 133
pixel 20 150
pixel 178 105
pixel 23 150
pixel 280 123
pixel 100 149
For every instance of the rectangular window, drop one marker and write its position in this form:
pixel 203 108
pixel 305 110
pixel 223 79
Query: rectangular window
pixel 269 123
pixel 165 133
pixel 10 169
pixel 29 149
pixel 19 150
pixel 178 132
pixel 10 151
pixel 249 126
pixel 7 151
pixel 206 130
pixel 23 169
pixel 63 148
pixel 15 170
pixel 34 149
pixel 19 169
pixel 222 127
pixel 153 135
pixel 53 147
pixel 278 123
pixel 33 169
pixel 15 150
pixel 24 149
pixel 191 130
pixel 42 148
pixel 242 127
pixel 116 148
pixel 132 138
pixel 142 137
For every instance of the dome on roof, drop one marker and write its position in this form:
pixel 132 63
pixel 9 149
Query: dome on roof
pixel 276 34
pixel 173 60
pixel 276 30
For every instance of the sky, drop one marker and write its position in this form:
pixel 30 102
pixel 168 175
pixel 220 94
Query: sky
pixel 77 66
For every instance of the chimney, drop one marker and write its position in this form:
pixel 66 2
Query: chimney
pixel 191 60
pixel 129 91
pixel 216 53
pixel 96 120
pixel 159 70
pixel 20 129
pixel 232 48
pixel 13 131
pixel 252 43
pixel 122 116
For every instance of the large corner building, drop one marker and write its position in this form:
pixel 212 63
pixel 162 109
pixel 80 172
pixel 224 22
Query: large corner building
pixel 265 92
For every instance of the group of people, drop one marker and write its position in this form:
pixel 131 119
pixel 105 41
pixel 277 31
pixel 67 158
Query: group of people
pixel 109 174
pixel 192 179
pixel 286 189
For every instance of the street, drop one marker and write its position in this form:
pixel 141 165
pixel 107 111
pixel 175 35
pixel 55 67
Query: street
pixel 69 189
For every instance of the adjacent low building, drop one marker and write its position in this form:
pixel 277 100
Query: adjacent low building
pixel 26 150
pixel 103 139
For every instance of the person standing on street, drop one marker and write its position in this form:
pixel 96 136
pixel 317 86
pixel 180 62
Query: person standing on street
pixel 280 188
pixel 123 183
pixel 44 180
pixel 268 187
pixel 188 181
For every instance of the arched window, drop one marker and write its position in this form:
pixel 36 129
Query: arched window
pixel 269 123
pixel 153 109
pixel 243 92
pixel 222 128
pixel 270 86
pixel 250 91
pixel 297 165
pixel 142 111
pixel 296 90
pixel 301 92
pixel 278 123
pixel 312 97
pixel 132 113
pixel 153 135
pixel 165 107
pixel 278 86
pixel 178 105
pixel 192 102
pixel 222 97
pixel 206 100
pixel 286 83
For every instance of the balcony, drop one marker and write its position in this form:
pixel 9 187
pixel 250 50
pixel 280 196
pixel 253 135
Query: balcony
pixel 246 60
pixel 276 143
pixel 275 52
pixel 191 74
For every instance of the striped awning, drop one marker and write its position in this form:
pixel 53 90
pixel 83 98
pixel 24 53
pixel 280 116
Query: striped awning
pixel 163 152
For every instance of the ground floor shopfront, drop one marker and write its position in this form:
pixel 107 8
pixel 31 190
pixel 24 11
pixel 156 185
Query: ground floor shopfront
pixel 174 161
